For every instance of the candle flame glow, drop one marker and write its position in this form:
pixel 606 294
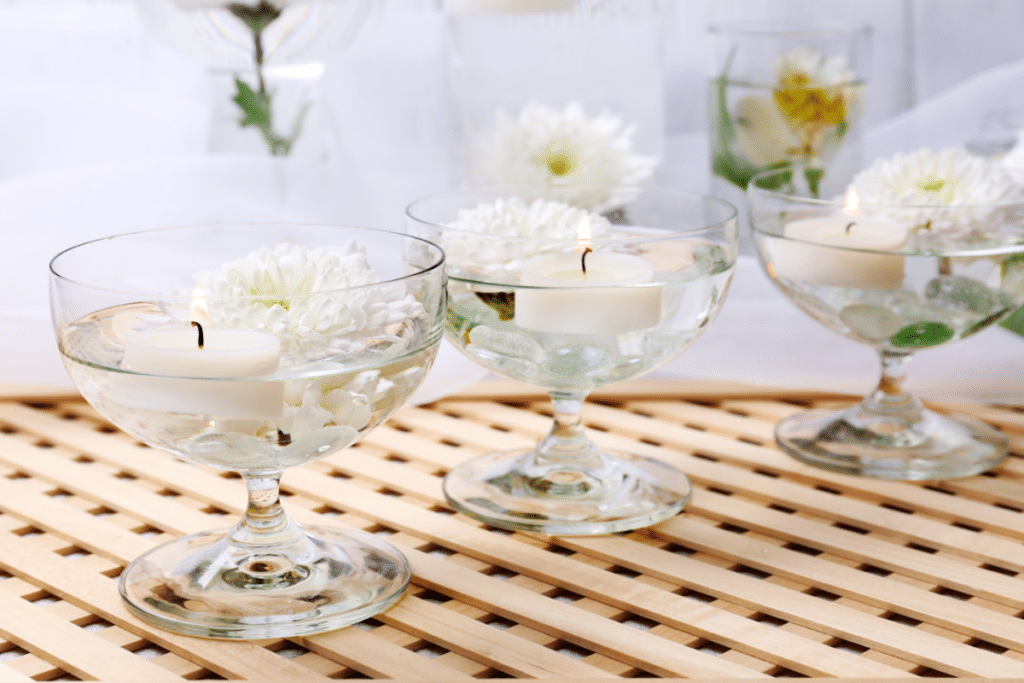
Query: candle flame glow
pixel 852 205
pixel 583 235
pixel 200 309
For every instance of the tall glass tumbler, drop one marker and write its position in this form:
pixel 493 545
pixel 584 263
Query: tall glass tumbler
pixel 784 94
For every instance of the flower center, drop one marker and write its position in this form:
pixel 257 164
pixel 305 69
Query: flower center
pixel 930 184
pixel 561 163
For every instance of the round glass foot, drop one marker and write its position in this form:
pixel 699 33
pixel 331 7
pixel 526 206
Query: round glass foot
pixel 854 442
pixel 509 490
pixel 202 586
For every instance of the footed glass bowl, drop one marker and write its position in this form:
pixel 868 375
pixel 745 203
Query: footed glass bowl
pixel 552 295
pixel 875 276
pixel 253 348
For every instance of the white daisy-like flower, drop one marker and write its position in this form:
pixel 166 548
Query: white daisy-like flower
pixel 476 243
pixel 318 302
pixel 575 157
pixel 950 195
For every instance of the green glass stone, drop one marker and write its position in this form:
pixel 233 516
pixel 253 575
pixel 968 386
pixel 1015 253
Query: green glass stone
pixel 920 335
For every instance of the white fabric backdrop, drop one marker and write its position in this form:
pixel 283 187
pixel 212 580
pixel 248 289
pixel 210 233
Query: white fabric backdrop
pixel 105 131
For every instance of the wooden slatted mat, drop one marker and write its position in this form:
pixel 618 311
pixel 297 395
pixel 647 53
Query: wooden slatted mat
pixel 774 570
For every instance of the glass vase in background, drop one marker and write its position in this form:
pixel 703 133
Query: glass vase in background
pixel 264 58
pixel 784 94
pixel 556 93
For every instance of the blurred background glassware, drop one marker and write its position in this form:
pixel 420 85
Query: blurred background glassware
pixel 519 306
pixel 264 390
pixel 896 298
pixel 786 93
pixel 999 131
pixel 265 60
pixel 555 92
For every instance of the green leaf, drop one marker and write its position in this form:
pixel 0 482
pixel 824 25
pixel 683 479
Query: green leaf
pixel 502 302
pixel 255 106
pixel 256 17
pixel 841 129
pixel 921 335
pixel 984 322
pixel 1015 321
pixel 813 176
pixel 256 112
pixel 778 180
pixel 725 165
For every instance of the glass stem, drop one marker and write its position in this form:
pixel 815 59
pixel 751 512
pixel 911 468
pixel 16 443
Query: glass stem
pixel 567 442
pixel 265 522
pixel 890 398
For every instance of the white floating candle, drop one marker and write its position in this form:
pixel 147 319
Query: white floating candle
pixel 169 371
pixel 848 255
pixel 599 301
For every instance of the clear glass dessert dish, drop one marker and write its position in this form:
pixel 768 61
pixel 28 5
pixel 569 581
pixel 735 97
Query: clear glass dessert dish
pixel 899 278
pixel 569 300
pixel 253 348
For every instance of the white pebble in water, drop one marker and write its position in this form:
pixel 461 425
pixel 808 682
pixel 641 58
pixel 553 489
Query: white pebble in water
pixel 579 361
pixel 509 353
pixel 908 306
pixel 507 344
pixel 958 293
pixel 871 322
pixel 513 367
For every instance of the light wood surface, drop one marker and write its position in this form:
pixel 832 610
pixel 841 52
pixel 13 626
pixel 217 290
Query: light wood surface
pixel 775 569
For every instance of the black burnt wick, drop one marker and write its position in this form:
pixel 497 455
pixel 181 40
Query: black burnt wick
pixel 195 324
pixel 583 260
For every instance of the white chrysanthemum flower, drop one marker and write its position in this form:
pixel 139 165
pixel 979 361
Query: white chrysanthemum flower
pixel 476 242
pixel 952 194
pixel 318 302
pixel 569 153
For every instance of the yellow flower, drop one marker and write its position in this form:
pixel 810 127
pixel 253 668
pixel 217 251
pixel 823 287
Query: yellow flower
pixel 809 105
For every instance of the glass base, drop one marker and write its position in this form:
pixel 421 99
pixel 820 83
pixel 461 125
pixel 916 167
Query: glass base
pixel 852 441
pixel 508 490
pixel 200 585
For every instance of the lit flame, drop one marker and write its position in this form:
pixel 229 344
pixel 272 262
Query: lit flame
pixel 852 205
pixel 583 235
pixel 200 310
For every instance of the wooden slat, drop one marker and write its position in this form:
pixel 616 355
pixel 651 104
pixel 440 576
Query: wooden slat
pixel 70 647
pixel 774 569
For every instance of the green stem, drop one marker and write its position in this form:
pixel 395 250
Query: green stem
pixel 258 42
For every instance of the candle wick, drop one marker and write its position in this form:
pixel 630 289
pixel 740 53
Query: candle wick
pixel 195 324
pixel 850 225
pixel 583 260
